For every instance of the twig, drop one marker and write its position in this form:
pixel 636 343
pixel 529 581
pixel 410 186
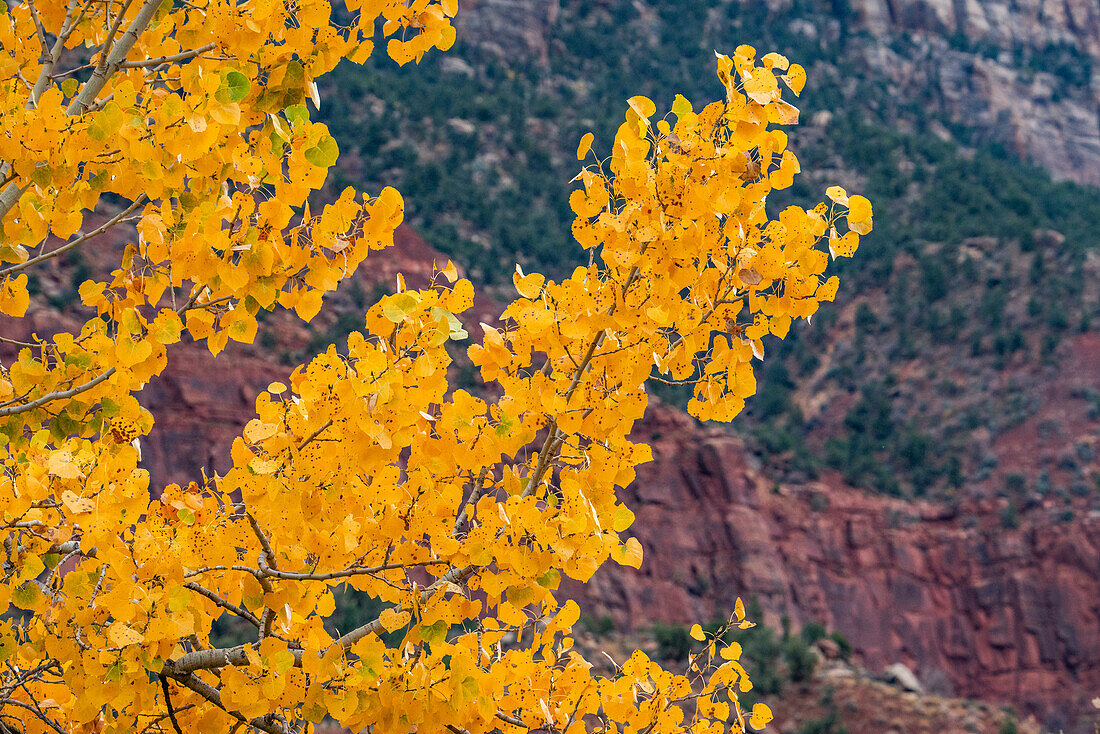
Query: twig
pixel 50 397
pixel 78 241
pixel 182 56
pixel 471 501
pixel 239 611
pixel 213 695
pixel 168 703
pixel 507 718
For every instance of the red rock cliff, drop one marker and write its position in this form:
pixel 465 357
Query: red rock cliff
pixel 1009 615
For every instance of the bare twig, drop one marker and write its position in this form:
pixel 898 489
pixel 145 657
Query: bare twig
pixel 475 495
pixel 61 395
pixel 239 611
pixel 507 718
pixel 168 703
pixel 214 696
pixel 78 241
pixel 181 56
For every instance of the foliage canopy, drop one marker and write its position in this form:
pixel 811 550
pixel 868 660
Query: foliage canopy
pixel 459 513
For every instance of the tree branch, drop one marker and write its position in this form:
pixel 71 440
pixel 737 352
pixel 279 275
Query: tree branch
pixel 290 576
pixel 50 397
pixel 214 696
pixel 168 703
pixel 91 89
pixel 181 56
pixel 78 241
pixel 239 611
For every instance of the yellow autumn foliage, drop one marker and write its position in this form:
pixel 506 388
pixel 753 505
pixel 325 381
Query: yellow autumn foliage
pixel 190 123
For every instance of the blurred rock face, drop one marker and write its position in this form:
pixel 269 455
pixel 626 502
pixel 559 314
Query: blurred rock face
pixel 1004 615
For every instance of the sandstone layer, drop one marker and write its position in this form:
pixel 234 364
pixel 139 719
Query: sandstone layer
pixel 1008 615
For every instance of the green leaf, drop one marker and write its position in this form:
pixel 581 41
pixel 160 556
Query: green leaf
pixel 167 331
pixel 42 176
pixel 549 580
pixel 457 332
pixel 178 599
pixel 83 360
pixel 396 308
pixel 435 632
pixel 296 113
pixel 7 646
pixel 237 85
pixel 393 312
pixel 295 76
pixel 186 516
pixel 504 427
pixel 681 106
pixel 64 425
pixel 107 122
pixel 26 596
pixel 325 153
pixel 519 596
pixel 283 661
pixel 32 567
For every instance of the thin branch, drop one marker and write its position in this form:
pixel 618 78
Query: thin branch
pixel 213 695
pixel 105 53
pixel 5 340
pixel 168 703
pixel 239 611
pixel 289 576
pixel 475 495
pixel 182 56
pixel 50 397
pixel 37 712
pixel 508 718
pixel 264 542
pixel 309 439
pixel 117 56
pixel 78 241
pixel 46 57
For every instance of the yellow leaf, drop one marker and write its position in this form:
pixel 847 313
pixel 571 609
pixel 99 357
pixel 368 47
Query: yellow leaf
pixel 14 297
pixel 528 286
pixel 827 290
pixel 863 227
pixel 760 717
pixel 859 208
pixel 631 553
pixel 122 635
pixel 225 114
pixel 61 464
pixel 642 106
pixel 731 651
pixel 795 78
pixel 75 504
pixel 844 246
pixel 697 633
pixel 837 194
pixel 775 61
pixel 585 146
pixel 785 114
pixel 393 620
pixel 450 272
pixel 623 519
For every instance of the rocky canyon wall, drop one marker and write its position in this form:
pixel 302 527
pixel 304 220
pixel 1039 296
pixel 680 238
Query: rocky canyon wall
pixel 976 609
